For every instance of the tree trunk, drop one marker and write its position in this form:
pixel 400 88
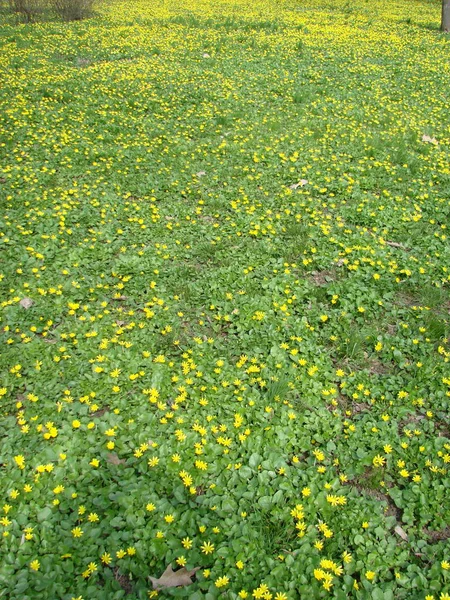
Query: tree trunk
pixel 445 21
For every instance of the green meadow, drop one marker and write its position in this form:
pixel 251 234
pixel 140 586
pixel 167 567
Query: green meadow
pixel 225 296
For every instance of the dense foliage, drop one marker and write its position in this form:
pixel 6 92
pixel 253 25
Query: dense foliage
pixel 225 296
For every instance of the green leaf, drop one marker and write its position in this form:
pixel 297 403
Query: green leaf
pixel 254 460
pixel 44 514
pixel 245 472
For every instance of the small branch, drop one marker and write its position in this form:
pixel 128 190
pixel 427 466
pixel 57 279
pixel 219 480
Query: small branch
pixel 397 245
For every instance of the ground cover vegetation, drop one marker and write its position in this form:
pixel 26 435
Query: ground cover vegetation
pixel 225 302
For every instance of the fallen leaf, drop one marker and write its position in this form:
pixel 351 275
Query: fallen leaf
pixel 200 173
pixel 401 532
pixel 115 460
pixel 430 140
pixel 171 578
pixel 206 55
pixel 100 412
pixel 26 303
pixel 301 183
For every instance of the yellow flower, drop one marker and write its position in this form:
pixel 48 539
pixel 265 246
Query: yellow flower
pixel 370 575
pixel 261 592
pixel 207 548
pixel 77 532
pixel 92 567
pixel 20 461
pixel 222 582
pixel 346 557
pixel 93 517
pixel 379 461
pixel 34 565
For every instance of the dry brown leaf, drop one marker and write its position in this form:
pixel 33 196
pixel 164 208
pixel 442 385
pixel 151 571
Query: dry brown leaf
pixel 26 303
pixel 100 412
pixel 430 140
pixel 206 55
pixel 115 460
pixel 171 578
pixel 301 183
pixel 200 174
pixel 401 532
